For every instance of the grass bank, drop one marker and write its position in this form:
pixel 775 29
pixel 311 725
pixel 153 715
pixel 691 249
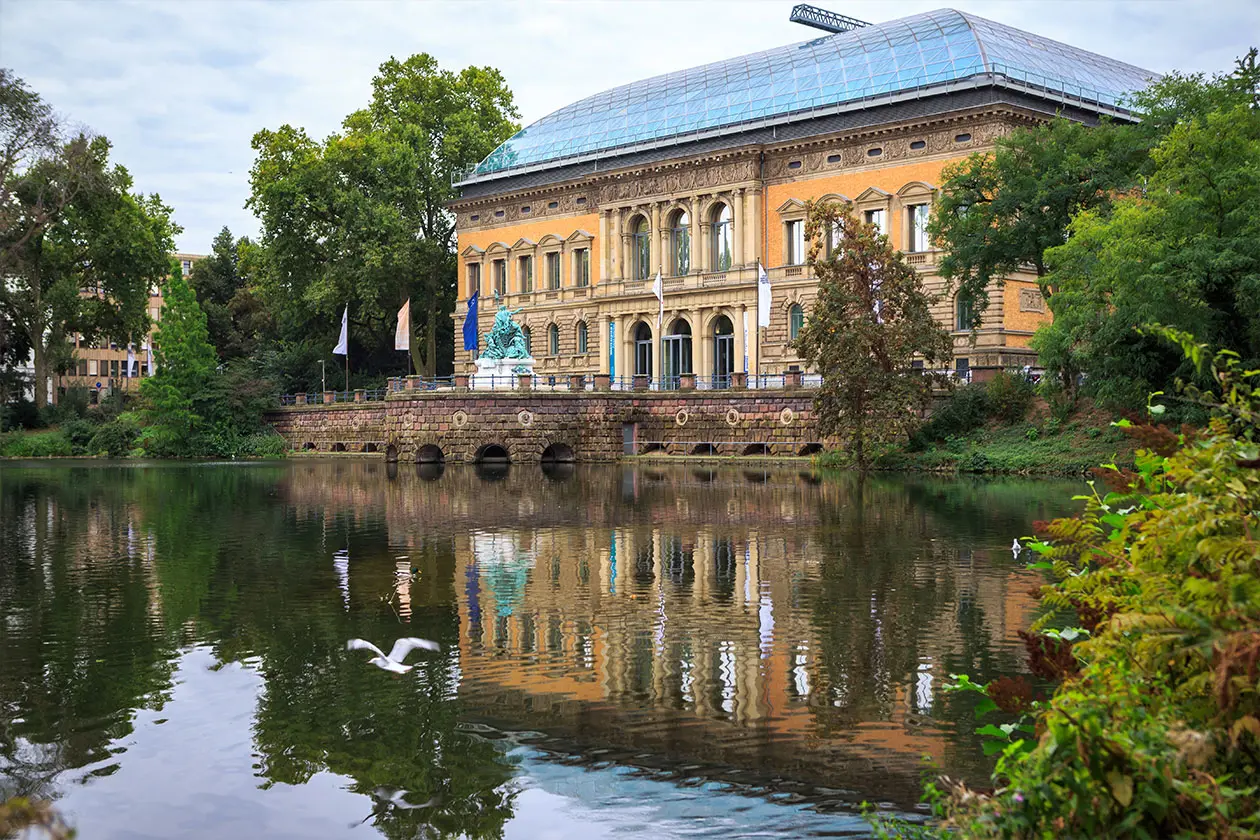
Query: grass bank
pixel 1071 449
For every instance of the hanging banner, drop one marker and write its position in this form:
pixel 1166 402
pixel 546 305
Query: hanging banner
pixel 402 333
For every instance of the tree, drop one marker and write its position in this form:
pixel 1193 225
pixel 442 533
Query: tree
pixel 234 314
pixel 185 366
pixel 999 211
pixel 1184 252
pixel 361 218
pixel 78 251
pixel 871 319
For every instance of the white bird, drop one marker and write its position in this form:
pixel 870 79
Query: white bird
pixel 1016 548
pixel 393 662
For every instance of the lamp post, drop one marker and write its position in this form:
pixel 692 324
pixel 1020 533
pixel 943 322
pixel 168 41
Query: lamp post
pixel 323 379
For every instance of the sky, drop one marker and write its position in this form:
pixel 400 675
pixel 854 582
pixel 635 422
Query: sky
pixel 180 86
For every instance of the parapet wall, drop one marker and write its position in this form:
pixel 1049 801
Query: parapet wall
pixel 536 426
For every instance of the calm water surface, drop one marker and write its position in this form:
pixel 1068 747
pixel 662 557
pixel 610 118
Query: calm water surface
pixel 627 651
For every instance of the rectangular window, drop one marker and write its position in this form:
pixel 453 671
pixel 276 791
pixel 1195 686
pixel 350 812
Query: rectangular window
pixel 582 266
pixel 525 273
pixel 795 242
pixel 474 278
pixel 918 214
pixel 83 367
pixel 876 218
pixel 553 271
pixel 186 267
pixel 114 367
pixel 500 277
pixel 92 367
pixel 155 313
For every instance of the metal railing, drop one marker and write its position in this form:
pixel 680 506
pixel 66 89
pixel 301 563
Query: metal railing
pixel 558 382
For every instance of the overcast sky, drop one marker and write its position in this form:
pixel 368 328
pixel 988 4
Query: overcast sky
pixel 180 86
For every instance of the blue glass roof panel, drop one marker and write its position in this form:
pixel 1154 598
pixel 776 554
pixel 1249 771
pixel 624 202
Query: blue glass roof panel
pixel 925 49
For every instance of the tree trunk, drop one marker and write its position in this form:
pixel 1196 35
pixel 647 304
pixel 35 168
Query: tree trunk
pixel 40 367
pixel 430 362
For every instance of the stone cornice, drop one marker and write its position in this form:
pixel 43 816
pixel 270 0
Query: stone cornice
pixel 716 171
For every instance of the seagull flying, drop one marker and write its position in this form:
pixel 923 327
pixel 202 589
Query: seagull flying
pixel 393 662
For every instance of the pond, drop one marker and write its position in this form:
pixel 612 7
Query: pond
pixel 626 650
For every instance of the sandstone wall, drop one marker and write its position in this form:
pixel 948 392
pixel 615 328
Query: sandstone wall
pixel 583 426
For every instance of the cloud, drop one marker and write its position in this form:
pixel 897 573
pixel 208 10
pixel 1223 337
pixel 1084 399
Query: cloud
pixel 180 88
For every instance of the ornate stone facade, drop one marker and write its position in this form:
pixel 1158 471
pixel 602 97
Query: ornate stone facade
pixel 579 257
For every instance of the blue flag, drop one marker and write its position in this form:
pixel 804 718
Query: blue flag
pixel 470 323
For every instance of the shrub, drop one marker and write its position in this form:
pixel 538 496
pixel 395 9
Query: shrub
pixel 115 438
pixel 80 433
pixel 965 409
pixel 1009 396
pixel 263 445
pixel 35 445
pixel 1155 729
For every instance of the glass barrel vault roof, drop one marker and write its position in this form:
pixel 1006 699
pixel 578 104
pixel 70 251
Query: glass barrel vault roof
pixel 883 59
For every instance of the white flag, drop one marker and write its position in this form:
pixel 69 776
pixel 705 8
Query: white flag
pixel 658 289
pixel 149 351
pixel 745 341
pixel 402 334
pixel 131 362
pixel 343 344
pixel 763 297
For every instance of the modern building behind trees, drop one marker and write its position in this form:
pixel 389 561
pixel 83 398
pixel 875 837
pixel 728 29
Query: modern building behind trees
pixel 703 174
pixel 102 366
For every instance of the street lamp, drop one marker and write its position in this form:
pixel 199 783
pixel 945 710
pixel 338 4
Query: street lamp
pixel 323 381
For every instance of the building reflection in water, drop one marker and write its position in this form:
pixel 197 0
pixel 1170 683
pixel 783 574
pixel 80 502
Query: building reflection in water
pixel 756 619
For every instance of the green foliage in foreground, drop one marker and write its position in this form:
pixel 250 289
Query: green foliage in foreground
pixel 1154 729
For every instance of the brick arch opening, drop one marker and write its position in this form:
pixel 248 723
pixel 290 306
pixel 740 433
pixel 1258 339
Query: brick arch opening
pixel 810 449
pixel 339 447
pixel 391 454
pixel 704 449
pixel 654 446
pixel 756 449
pixel 369 447
pixel 308 446
pixel 492 453
pixel 559 453
pixel 430 453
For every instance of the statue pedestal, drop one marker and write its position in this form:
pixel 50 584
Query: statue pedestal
pixel 499 374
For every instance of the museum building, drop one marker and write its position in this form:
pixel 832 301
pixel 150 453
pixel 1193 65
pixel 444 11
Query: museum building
pixel 702 175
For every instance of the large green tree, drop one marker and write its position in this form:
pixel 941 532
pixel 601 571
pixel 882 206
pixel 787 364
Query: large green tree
pixel 870 321
pixel 235 315
pixel 88 267
pixel 185 367
pixel 1184 252
pixel 361 217
pixel 999 211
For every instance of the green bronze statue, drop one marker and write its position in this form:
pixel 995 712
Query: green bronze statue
pixel 505 339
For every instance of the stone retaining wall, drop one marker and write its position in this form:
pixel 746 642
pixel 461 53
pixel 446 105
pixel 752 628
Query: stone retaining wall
pixel 533 426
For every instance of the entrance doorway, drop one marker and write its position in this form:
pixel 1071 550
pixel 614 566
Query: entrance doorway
pixel 723 352
pixel 676 353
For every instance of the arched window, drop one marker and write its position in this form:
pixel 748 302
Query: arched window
pixel 640 248
pixel 581 337
pixel 796 320
pixel 680 242
pixel 642 350
pixel 553 340
pixel 964 312
pixel 529 340
pixel 722 238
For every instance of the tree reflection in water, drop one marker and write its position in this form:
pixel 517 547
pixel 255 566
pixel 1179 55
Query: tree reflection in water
pixel 761 624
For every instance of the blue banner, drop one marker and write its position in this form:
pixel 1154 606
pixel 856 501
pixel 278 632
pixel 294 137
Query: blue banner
pixel 470 322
